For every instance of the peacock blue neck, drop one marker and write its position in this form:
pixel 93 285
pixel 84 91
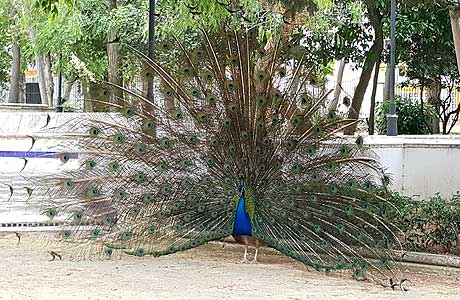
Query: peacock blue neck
pixel 242 223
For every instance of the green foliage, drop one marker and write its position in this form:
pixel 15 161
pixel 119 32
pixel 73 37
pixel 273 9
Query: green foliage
pixel 428 225
pixel 411 118
pixel 5 57
pixel 425 43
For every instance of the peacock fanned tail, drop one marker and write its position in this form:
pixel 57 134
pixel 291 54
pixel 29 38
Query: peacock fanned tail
pixel 162 176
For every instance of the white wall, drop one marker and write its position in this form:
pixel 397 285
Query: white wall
pixel 419 165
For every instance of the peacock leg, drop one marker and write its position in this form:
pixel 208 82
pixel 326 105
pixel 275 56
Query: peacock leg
pixel 246 245
pixel 254 261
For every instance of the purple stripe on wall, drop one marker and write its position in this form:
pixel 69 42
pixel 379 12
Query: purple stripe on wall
pixel 27 154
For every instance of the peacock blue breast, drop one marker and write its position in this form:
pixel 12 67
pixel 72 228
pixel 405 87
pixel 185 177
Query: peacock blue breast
pixel 242 224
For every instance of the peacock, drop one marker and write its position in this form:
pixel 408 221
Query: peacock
pixel 235 143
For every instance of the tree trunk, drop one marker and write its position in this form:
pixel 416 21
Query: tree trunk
pixel 454 20
pixel 41 72
pixel 434 95
pixel 15 79
pixel 68 85
pixel 116 95
pixel 374 92
pixel 371 59
pixel 22 88
pixel 87 104
pixel 338 86
pixel 49 79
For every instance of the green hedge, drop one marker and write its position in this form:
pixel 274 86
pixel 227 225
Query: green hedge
pixel 431 225
pixel 412 119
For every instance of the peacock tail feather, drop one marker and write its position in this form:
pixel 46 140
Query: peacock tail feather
pixel 157 177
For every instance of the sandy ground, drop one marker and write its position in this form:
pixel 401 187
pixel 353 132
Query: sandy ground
pixel 209 272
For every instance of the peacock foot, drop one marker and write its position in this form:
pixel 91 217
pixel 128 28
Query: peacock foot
pixel 244 261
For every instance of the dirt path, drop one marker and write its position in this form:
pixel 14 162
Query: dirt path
pixel 209 272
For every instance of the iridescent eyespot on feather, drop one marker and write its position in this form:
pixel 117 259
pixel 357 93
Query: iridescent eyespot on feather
pixel 108 251
pixel 51 213
pixel 233 60
pixel 167 189
pixel 193 139
pixel 208 76
pixel 147 199
pixel 126 235
pixel 227 123
pixel 114 166
pixel 260 125
pixel 118 138
pixel 93 192
pixel 199 54
pixel 332 166
pixel 95 232
pixel 186 163
pixel 231 87
pixel 90 164
pixel 296 120
pixel 140 177
pixel 64 157
pixel 210 161
pixel 78 216
pixel 151 230
pixel 318 130
pixel 129 111
pixel 261 101
pixel 334 189
pixel 195 93
pixel 261 76
pixel 166 142
pixel 232 107
pixel 331 115
pixel 313 199
pixel 304 99
pixel 340 227
pixel 177 114
pixel 94 131
pixel 139 252
pixel 120 194
pixel 212 100
pixel 163 167
pixel 203 118
pixel 244 135
pixel 291 144
pixel 281 72
pixel 169 93
pixel 317 228
pixel 66 234
pixel 165 46
pixel 349 210
pixel 187 71
pixel 344 150
pixel 140 149
pixel 69 183
pixel 214 142
pixel 148 124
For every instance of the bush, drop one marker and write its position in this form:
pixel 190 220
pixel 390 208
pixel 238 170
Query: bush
pixel 411 118
pixel 428 225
